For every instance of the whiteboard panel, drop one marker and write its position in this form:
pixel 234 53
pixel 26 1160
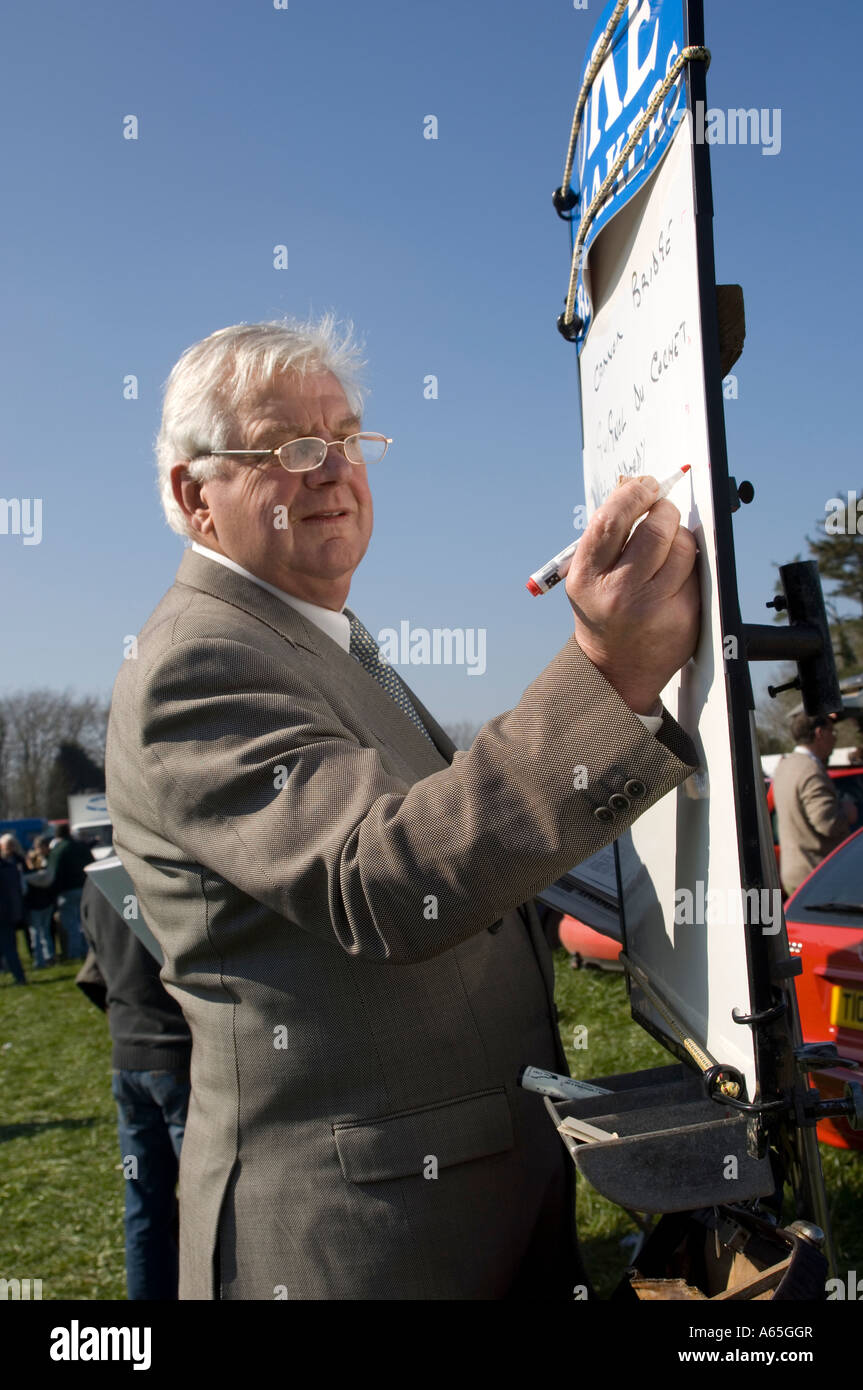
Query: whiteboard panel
pixel 644 411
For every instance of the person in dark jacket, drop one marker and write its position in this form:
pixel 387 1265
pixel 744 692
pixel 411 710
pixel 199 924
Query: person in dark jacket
pixel 66 864
pixel 151 1053
pixel 11 916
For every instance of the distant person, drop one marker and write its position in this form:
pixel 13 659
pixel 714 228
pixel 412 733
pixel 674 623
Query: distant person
pixel 11 915
pixel 10 848
pixel 152 1049
pixel 13 858
pixel 39 905
pixel 811 818
pixel 66 864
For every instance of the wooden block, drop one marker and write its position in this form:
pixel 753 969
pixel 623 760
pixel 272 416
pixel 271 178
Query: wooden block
pixel 732 325
pixel 666 1290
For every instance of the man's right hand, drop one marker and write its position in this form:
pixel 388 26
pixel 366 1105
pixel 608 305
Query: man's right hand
pixel 636 601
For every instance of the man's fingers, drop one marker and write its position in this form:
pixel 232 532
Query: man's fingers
pixel 679 564
pixel 648 547
pixel 601 545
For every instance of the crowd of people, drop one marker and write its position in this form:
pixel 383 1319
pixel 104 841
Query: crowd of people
pixel 40 897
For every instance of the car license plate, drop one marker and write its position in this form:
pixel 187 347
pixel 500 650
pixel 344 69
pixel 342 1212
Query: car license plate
pixel 846 1008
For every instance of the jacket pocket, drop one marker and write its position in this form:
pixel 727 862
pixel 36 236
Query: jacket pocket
pixel 398 1146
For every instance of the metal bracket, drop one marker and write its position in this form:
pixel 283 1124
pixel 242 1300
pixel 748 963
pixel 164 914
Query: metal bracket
pixel 763 1016
pixel 850 1107
pixel 718 1082
pixel 564 203
pixel 821 1055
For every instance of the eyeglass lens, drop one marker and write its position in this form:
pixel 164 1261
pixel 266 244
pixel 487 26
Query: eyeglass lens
pixel 303 454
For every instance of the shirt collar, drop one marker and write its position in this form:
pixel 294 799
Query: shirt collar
pixel 334 625
pixel 800 748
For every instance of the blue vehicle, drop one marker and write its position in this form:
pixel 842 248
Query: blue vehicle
pixel 25 830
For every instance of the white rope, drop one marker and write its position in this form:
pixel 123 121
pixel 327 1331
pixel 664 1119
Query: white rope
pixel 596 64
pixel 687 55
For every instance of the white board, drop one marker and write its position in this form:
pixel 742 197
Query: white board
pixel 644 411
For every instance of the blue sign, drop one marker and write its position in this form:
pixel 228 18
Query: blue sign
pixel 648 40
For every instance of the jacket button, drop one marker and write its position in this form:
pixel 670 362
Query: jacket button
pixel 635 788
pixel 604 813
pixel 619 802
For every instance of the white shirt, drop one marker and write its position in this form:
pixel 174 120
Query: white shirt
pixel 800 748
pixel 337 625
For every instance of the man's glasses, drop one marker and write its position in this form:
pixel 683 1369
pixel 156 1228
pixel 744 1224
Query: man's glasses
pixel 302 455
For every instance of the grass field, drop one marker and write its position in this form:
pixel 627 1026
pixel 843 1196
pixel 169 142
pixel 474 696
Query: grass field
pixel 61 1184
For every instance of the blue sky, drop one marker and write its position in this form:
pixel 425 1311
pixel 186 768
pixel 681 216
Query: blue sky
pixel 304 127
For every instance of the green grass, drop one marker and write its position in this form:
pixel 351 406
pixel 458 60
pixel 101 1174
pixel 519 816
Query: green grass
pixel 61 1185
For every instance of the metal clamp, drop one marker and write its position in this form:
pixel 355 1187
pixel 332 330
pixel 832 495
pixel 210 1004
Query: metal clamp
pixel 819 1056
pixel 763 1015
pixel 720 1084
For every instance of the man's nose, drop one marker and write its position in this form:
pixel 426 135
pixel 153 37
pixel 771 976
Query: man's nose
pixel 334 467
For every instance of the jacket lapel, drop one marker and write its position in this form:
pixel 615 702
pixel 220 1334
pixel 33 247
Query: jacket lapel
pixel 381 711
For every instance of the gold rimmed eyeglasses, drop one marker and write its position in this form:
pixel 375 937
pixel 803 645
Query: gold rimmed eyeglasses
pixel 302 455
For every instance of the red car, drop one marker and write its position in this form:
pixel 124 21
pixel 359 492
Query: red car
pixel 588 947
pixel 825 929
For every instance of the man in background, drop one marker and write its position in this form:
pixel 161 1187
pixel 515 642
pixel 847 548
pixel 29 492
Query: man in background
pixel 66 864
pixel 11 910
pixel 811 818
pixel 150 1059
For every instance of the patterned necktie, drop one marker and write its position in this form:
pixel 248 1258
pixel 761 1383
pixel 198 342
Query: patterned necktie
pixel 365 649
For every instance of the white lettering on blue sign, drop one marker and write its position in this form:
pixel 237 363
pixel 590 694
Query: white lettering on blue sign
pixel 648 40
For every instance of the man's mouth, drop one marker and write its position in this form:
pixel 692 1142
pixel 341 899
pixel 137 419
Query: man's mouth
pixel 325 516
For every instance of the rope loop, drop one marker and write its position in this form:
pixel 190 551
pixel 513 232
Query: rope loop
pixel 694 53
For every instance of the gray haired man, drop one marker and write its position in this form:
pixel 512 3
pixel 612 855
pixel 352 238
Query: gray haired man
pixel 344 902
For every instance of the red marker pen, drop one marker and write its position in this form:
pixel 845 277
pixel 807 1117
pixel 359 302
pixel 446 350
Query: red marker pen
pixel 552 572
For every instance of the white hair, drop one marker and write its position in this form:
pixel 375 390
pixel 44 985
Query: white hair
pixel 214 376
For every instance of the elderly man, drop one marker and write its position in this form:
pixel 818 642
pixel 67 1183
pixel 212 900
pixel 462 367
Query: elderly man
pixel 343 901
pixel 811 820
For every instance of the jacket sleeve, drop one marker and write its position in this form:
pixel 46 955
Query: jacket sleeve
pixel 820 805
pixel 255 777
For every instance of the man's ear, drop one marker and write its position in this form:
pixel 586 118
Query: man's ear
pixel 189 497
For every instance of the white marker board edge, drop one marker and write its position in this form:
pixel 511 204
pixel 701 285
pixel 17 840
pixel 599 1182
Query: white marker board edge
pixel 702 970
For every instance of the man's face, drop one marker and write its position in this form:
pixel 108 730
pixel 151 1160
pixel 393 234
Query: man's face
pixel 824 742
pixel 272 522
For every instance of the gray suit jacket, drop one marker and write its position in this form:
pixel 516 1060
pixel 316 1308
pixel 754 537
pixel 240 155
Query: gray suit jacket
pixel 809 819
pixel 337 900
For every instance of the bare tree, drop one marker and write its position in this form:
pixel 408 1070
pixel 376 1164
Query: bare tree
pixel 33 725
